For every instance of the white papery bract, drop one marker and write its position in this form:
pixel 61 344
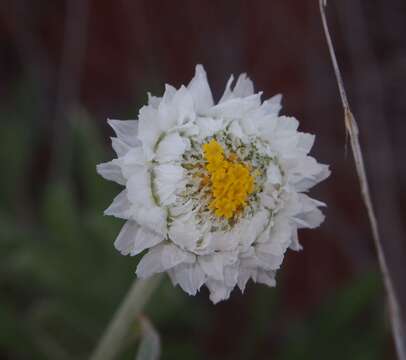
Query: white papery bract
pixel 214 193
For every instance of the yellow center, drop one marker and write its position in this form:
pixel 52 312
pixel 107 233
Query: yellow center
pixel 231 181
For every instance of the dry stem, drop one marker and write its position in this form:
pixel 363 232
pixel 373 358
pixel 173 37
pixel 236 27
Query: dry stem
pixel 352 130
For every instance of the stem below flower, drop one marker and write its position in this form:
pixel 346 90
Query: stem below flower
pixel 112 340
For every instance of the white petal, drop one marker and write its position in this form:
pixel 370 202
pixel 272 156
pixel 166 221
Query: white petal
pixel 281 232
pixel 273 105
pixel 208 126
pixel 153 218
pixel 190 277
pixel 244 87
pixel 266 277
pixel 311 219
pixel 244 275
pixel 169 179
pixel 145 239
pixel 171 148
pixel 306 183
pixel 236 130
pixel 285 144
pixel 172 256
pixel 119 146
pixel 295 245
pixel 306 142
pixel 270 261
pixel 177 111
pixel 182 209
pixel 213 265
pixel 273 174
pixel 127 131
pixel 200 90
pixel 166 112
pixel 266 198
pixel 218 290
pixel 124 242
pixel 134 239
pixel 139 188
pixel 169 93
pixel 250 229
pixel 224 240
pixel 260 125
pixel 120 207
pixel 308 214
pixel 134 157
pixel 284 139
pixel 271 250
pixel 111 171
pixel 154 101
pixel 287 124
pixel 236 108
pixel 308 203
pixel 149 129
pixel 151 263
pixel 264 126
pixel 184 233
pixel 292 206
pixel 306 173
pixel 231 275
pixel 228 93
pixel 145 211
pixel 189 129
pixel 132 161
pixel 274 246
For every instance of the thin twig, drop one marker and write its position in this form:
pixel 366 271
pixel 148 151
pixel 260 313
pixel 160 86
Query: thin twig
pixel 352 130
pixel 113 338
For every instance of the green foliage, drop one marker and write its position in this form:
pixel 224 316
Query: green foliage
pixel 342 327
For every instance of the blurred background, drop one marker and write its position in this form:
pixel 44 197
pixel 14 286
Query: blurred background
pixel 65 66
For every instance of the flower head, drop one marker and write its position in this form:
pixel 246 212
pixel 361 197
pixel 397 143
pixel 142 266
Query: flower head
pixel 214 193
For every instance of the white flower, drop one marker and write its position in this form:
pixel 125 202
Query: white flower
pixel 214 193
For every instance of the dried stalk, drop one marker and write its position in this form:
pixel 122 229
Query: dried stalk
pixel 112 341
pixel 352 130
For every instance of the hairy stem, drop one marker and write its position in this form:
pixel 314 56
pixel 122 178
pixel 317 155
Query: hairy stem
pixel 352 130
pixel 114 336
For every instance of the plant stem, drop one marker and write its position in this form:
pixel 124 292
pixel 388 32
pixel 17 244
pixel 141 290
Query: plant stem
pixel 113 338
pixel 351 126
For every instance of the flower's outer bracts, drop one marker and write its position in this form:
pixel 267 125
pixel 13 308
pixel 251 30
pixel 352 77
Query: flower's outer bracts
pixel 214 193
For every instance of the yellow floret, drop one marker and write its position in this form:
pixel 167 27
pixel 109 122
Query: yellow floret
pixel 231 181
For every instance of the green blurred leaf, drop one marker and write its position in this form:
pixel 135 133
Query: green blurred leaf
pixel 60 213
pixel 334 331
